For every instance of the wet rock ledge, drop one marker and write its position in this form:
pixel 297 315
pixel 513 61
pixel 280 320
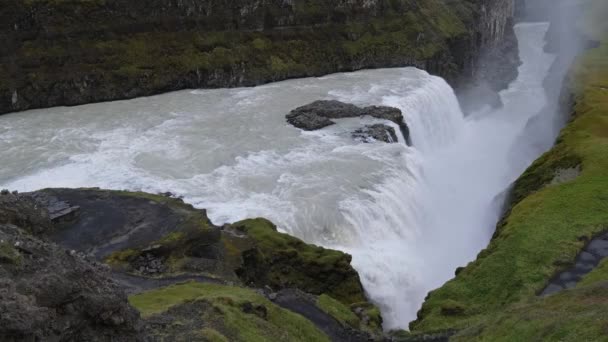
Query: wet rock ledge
pixel 98 265
pixel 319 114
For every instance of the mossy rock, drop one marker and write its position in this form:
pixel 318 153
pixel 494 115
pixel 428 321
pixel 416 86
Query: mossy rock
pixel 282 261
pixel 220 313
pixel 9 255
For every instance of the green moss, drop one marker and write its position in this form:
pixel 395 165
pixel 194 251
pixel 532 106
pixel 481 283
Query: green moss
pixel 548 222
pixel 283 261
pixel 122 257
pixel 576 315
pixel 370 316
pixel 212 335
pixel 339 311
pixel 599 274
pixel 452 308
pixel 9 255
pixel 227 302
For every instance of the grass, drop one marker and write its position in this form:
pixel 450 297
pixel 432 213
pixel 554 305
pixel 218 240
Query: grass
pixel 546 228
pixel 599 274
pixel 234 323
pixel 9 255
pixel 571 316
pixel 339 311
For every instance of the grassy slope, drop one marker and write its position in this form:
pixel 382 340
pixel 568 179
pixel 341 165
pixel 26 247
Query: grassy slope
pixel 229 321
pixel 544 231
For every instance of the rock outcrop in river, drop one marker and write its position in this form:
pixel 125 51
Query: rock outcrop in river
pixel 75 52
pixel 319 114
pixel 188 279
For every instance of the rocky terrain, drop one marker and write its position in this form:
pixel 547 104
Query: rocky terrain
pixel 48 293
pixel 59 52
pixel 98 265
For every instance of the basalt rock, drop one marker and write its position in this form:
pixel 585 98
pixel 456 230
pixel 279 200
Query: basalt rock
pixel 48 293
pixel 377 132
pixel 319 114
pixel 24 212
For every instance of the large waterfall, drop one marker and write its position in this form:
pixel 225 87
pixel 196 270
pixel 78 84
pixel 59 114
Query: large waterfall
pixel 408 215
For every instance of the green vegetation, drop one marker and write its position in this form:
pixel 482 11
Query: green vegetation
pixel 494 297
pixel 9 255
pixel 227 316
pixel 282 261
pixel 370 316
pixel 213 335
pixel 576 315
pixel 339 311
pixel 599 274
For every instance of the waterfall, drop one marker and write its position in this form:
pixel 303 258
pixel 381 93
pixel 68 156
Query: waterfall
pixel 409 215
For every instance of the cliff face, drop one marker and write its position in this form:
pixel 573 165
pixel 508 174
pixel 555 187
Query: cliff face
pixel 67 52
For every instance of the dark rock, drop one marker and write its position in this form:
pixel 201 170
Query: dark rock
pixel 305 305
pixel 24 212
pixel 318 114
pixel 377 132
pixel 52 295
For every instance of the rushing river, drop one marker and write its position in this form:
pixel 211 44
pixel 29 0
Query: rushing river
pixel 408 215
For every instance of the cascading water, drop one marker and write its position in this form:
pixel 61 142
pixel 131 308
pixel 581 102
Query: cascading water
pixel 408 215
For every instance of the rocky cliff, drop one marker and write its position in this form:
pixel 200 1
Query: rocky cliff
pixel 97 265
pixel 68 52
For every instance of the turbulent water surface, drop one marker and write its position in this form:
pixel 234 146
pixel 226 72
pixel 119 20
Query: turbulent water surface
pixel 408 215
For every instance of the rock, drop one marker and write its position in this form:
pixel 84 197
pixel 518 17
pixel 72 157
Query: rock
pixel 377 132
pixel 49 295
pixel 24 212
pixel 318 114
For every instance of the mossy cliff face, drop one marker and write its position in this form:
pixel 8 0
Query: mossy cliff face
pixel 67 52
pixel 551 218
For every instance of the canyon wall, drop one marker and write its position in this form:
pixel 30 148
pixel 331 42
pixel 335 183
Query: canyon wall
pixel 68 52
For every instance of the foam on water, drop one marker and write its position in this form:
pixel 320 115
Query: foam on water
pixel 408 215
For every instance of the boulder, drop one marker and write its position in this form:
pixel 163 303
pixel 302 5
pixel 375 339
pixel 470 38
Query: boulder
pixel 318 114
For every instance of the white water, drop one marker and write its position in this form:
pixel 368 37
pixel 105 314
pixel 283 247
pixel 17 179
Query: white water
pixel 408 215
